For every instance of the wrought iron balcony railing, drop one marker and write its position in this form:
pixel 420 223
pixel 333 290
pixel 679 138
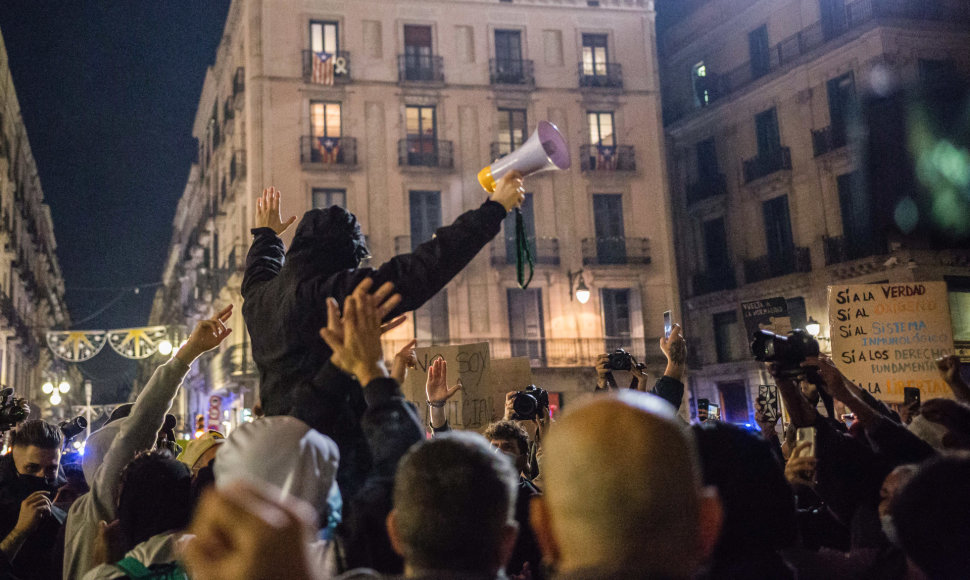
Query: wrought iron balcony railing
pixel 607 75
pixel 706 187
pixel 420 68
pixel 828 139
pixel 767 163
pixel 507 71
pixel 615 250
pixel 607 158
pixel 544 250
pixel 329 151
pixel 422 152
pixel 796 259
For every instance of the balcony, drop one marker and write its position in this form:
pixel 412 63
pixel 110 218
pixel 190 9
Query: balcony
pixel 793 261
pixel 420 68
pixel 545 251
pixel 421 152
pixel 556 352
pixel 606 75
pixel 706 187
pixel 714 281
pixel 511 72
pixel 839 250
pixel 238 87
pixel 607 158
pixel 329 152
pixel 615 250
pixel 237 166
pixel 335 69
pixel 765 164
pixel 828 139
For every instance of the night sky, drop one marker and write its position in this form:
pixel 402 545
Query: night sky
pixel 108 90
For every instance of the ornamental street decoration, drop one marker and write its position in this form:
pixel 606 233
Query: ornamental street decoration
pixel 137 343
pixel 76 345
pixel 82 345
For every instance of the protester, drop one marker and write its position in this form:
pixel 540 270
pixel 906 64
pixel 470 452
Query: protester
pixel 285 291
pixel 511 439
pixel 284 454
pixel 111 448
pixel 670 386
pixel 29 522
pixel 623 496
pixel 154 506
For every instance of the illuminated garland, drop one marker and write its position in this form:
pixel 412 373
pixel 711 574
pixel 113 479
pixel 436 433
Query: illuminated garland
pixel 82 345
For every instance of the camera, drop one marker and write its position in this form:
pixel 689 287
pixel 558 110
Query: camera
pixel 526 403
pixel 13 410
pixel 621 360
pixel 787 352
pixel 72 428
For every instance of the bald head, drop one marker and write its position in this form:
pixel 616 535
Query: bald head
pixel 622 487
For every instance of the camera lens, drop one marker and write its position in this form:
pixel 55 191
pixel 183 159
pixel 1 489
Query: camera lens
pixel 524 405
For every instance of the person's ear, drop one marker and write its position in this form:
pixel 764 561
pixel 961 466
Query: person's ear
pixel 711 514
pixel 391 523
pixel 541 521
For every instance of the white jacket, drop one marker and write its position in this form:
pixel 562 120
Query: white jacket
pixel 160 549
pixel 132 435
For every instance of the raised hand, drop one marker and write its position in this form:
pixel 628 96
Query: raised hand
pixel 800 469
pixel 436 388
pixel 268 212
pixel 355 339
pixel 241 532
pixel 208 334
pixel 32 511
pixel 509 191
pixel 403 360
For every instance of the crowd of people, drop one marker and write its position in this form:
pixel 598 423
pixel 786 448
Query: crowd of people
pixel 341 479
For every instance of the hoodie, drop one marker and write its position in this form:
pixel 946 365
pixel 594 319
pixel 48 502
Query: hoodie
pixel 106 454
pixel 285 297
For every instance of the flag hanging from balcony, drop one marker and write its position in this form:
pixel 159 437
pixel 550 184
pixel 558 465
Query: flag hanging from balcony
pixel 76 346
pixel 322 68
pixel 329 149
pixel 605 157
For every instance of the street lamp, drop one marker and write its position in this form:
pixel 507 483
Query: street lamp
pixel 64 387
pixel 165 347
pixel 582 291
pixel 56 399
pixel 48 388
pixel 813 327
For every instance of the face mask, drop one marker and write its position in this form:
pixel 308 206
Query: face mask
pixel 889 529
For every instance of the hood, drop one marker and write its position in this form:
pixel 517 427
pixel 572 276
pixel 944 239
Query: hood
pixel 327 241
pixel 284 452
pixel 96 447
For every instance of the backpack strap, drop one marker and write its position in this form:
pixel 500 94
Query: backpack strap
pixel 133 568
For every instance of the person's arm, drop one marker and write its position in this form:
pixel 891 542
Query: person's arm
pixel 139 430
pixel 420 275
pixel 266 255
pixel 438 392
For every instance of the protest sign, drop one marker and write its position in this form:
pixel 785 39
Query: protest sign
pixel 768 314
pixel 472 406
pixel 886 337
pixel 510 374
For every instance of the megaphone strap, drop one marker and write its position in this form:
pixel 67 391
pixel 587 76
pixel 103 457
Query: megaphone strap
pixel 523 253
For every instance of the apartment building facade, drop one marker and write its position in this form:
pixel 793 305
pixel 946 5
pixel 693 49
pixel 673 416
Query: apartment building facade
pixel 765 196
pixel 390 109
pixel 31 284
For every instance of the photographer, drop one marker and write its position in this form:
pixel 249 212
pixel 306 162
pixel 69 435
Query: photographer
pixel 29 523
pixel 669 387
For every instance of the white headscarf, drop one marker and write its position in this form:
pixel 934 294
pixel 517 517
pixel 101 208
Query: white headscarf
pixel 283 452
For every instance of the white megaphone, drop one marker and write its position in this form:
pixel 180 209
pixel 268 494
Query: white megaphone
pixel 545 150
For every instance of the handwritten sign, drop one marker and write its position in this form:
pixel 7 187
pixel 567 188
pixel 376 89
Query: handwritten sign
pixel 472 407
pixel 768 314
pixel 886 337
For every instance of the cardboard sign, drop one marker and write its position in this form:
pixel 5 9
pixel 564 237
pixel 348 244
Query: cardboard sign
pixel 510 374
pixel 472 406
pixel 768 314
pixel 886 337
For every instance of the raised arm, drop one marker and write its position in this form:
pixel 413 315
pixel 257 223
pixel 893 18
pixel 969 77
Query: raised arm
pixel 266 255
pixel 139 430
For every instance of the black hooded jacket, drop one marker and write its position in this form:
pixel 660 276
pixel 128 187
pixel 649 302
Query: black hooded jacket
pixel 284 301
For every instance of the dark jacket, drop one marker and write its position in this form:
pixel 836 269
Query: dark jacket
pixel 285 292
pixel 34 558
